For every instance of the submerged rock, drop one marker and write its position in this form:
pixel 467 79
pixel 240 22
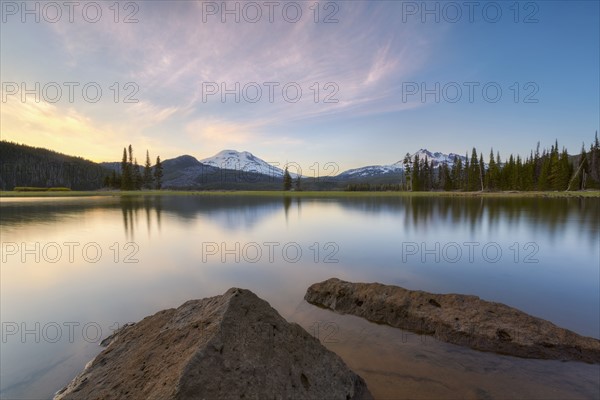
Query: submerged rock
pixel 455 318
pixel 233 346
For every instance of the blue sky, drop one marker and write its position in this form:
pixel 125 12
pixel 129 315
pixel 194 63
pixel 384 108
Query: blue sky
pixel 374 61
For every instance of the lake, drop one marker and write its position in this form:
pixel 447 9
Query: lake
pixel 75 269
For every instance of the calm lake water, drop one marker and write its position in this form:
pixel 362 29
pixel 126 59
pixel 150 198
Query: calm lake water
pixel 74 269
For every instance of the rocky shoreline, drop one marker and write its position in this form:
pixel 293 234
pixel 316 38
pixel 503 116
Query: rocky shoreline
pixel 230 346
pixel 455 318
pixel 237 346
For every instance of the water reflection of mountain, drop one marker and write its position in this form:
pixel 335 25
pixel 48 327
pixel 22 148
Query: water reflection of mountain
pixel 229 212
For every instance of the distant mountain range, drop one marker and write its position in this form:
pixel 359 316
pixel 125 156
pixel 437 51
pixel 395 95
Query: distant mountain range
pixel 396 168
pixel 228 169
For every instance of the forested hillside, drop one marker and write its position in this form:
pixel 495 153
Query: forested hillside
pixel 551 169
pixel 22 165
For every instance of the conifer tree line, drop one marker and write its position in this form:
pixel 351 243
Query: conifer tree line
pixel 367 187
pixel 22 165
pixel 134 177
pixel 288 181
pixel 549 170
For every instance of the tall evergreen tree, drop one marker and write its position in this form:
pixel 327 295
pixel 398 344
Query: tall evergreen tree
pixel 481 172
pixel 126 179
pixel 528 174
pixel 466 173
pixel 425 175
pixel 407 163
pixel 473 172
pixel 136 176
pixel 508 174
pixel 287 180
pixel 517 175
pixel 158 173
pixel 594 162
pixel 147 179
pixel 492 173
pixel 432 176
pixel 130 155
pixel 447 179
pixel 555 173
pixel 457 174
pixel 544 178
pixel 537 165
pixel 564 171
pixel 416 174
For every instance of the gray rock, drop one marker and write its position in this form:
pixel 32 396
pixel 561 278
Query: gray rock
pixel 455 318
pixel 233 346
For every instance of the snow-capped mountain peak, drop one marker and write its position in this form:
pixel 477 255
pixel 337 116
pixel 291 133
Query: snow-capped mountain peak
pixel 242 161
pixel 437 157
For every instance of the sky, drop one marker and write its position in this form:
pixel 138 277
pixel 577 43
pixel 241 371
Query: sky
pixel 352 83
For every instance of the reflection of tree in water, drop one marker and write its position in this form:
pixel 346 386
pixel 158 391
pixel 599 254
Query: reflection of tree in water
pixel 547 214
pixel 229 212
pixel 287 202
pixel 131 209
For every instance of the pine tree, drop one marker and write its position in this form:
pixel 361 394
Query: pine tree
pixel 287 180
pixel 473 172
pixel 528 173
pixel 158 173
pixel 407 172
pixel 416 174
pixel 492 173
pixel 130 155
pixel 447 184
pixel 148 179
pixel 457 174
pixel 555 173
pixel 125 172
pixel 544 178
pixel 537 165
pixel 595 159
pixel 466 173
pixel 517 175
pixel 564 171
pixel 136 176
pixel 481 172
pixel 425 175
pixel 508 174
pixel 432 178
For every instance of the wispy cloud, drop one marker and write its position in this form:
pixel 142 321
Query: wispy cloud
pixel 170 64
pixel 350 68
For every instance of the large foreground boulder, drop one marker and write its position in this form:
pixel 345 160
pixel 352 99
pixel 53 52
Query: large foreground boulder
pixel 233 346
pixel 456 318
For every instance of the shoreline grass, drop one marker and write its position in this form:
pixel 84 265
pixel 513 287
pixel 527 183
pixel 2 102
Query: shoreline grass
pixel 307 194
